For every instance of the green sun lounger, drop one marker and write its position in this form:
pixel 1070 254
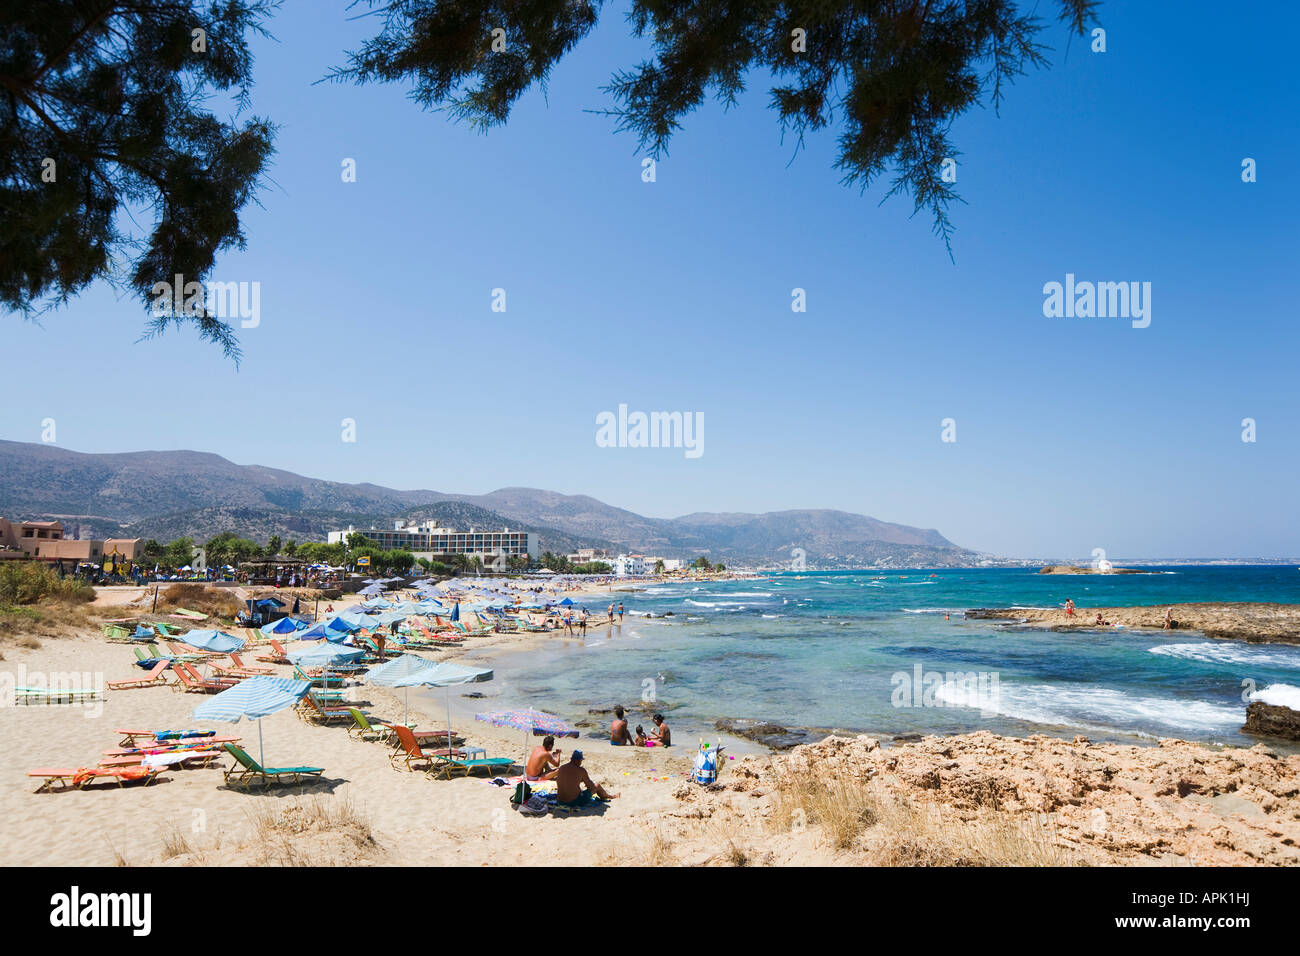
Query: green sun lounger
pixel 447 764
pixel 245 770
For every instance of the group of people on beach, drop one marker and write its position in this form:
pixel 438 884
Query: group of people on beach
pixel 620 736
pixel 573 784
pixel 1169 623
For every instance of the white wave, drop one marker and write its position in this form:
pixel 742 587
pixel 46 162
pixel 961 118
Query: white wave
pixel 1279 695
pixel 1220 652
pixel 1092 708
pixel 933 610
pixel 772 616
pixel 699 603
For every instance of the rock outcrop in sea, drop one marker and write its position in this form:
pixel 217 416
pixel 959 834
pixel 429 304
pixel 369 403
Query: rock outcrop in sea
pixel 1271 720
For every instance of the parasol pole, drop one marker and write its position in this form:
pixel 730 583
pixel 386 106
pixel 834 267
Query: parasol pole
pixel 261 749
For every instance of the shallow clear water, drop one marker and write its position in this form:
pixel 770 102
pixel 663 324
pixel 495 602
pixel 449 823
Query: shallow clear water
pixel 872 652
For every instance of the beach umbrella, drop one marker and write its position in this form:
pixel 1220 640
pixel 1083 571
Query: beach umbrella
pixel 342 624
pixel 535 722
pixel 322 655
pixel 567 602
pixel 405 671
pixel 447 675
pixel 255 697
pixel 209 640
pixel 531 722
pixel 373 590
pixel 284 625
pixel 455 611
pixel 318 631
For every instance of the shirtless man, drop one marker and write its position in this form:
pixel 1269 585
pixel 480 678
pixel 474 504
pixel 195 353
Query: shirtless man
pixel 543 762
pixel 661 732
pixel 618 735
pixel 570 780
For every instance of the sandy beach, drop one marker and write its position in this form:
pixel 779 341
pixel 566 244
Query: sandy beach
pixel 977 798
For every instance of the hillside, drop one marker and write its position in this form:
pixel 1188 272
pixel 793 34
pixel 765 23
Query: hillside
pixel 167 494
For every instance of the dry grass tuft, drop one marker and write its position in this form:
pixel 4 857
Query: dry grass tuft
pixel 316 833
pixel 218 602
pixel 887 830
pixel 174 845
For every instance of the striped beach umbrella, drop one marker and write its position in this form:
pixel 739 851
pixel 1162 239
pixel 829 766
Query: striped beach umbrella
pixel 255 698
pixel 536 722
pixel 322 655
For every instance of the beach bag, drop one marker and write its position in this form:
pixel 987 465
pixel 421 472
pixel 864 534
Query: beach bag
pixel 535 806
pixel 706 766
pixel 521 794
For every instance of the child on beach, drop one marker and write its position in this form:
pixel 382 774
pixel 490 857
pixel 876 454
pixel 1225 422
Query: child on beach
pixel 640 739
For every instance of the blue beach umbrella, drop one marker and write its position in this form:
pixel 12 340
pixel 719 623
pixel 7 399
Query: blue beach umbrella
pixel 255 698
pixel 322 655
pixel 285 625
pixel 209 640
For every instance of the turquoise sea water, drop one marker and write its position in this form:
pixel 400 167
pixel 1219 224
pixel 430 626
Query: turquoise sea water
pixel 872 652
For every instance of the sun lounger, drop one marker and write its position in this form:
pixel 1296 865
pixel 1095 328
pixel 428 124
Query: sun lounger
pixel 152 679
pixel 47 695
pixel 245 770
pixel 190 681
pixel 409 752
pixel 81 776
pixel 184 758
pixel 129 737
pixel 363 729
pixel 312 709
pixel 448 763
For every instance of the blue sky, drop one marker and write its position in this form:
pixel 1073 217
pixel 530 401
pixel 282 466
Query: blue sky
pixel 675 295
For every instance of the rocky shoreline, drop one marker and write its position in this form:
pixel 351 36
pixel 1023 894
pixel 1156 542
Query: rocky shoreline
pixel 1255 623
pixel 1173 803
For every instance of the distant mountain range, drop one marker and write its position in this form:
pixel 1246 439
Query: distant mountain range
pixel 168 494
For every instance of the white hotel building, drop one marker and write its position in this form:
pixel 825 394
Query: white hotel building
pixel 431 542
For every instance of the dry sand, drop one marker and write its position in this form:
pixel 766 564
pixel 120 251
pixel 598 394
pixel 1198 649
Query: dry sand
pixel 412 819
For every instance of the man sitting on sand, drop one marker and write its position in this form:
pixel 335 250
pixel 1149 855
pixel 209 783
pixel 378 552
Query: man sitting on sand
pixel 570 780
pixel 543 762
pixel 618 735
pixel 661 732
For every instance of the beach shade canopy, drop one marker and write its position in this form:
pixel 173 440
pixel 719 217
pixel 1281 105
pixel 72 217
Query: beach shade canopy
pixel 341 624
pixel 255 698
pixel 285 625
pixel 318 631
pixel 567 602
pixel 322 655
pixel 208 640
pixel 406 671
pixel 536 722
